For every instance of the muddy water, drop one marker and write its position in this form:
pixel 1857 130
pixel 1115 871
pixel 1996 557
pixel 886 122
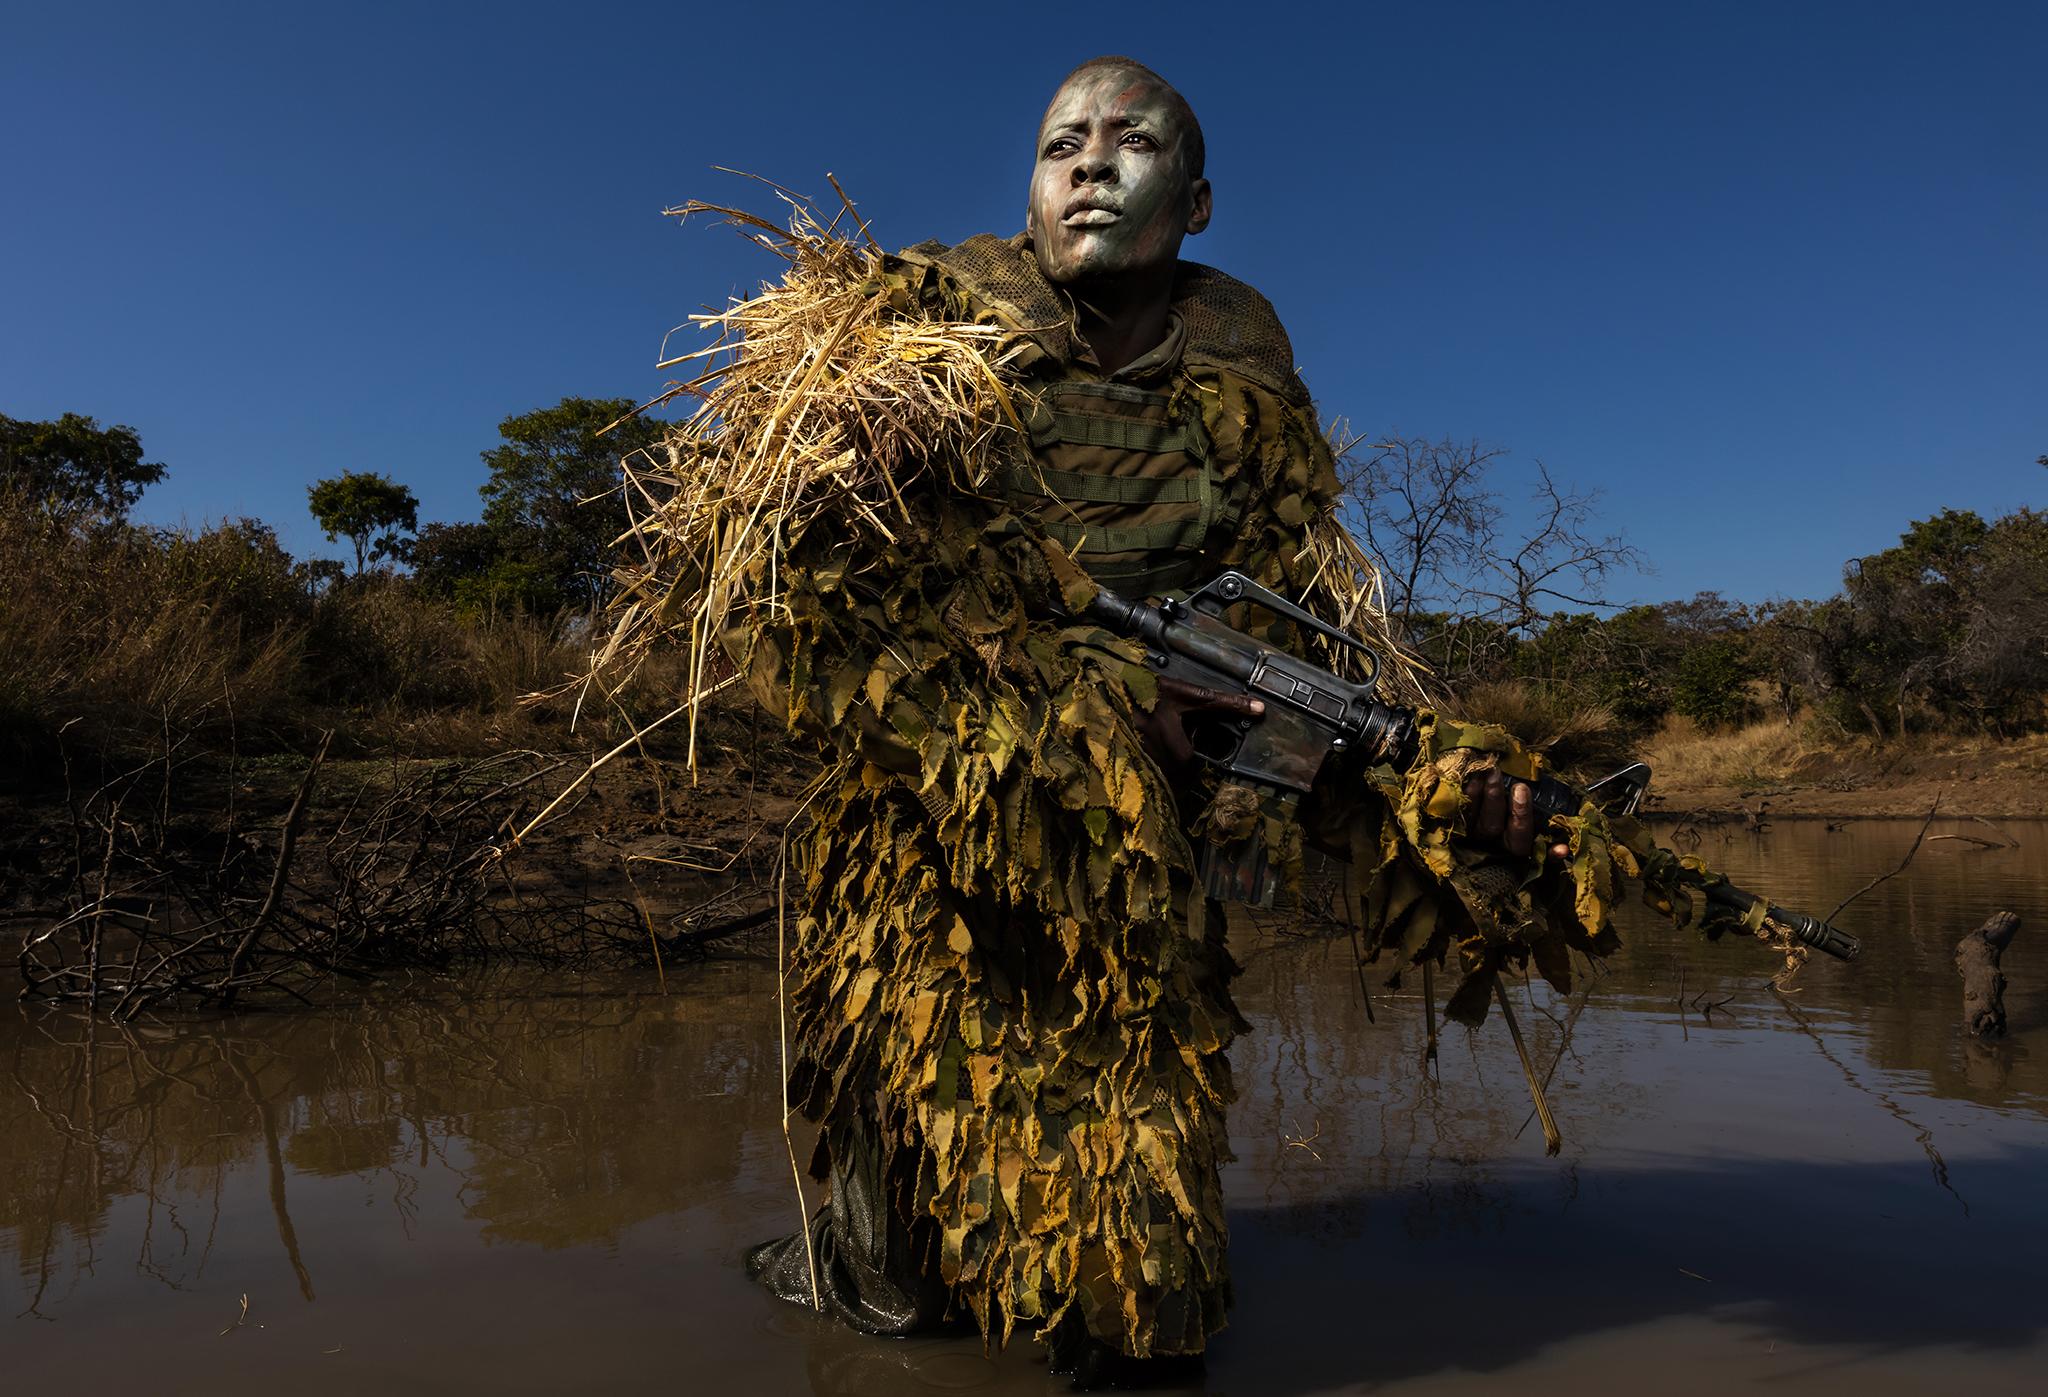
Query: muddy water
pixel 541 1186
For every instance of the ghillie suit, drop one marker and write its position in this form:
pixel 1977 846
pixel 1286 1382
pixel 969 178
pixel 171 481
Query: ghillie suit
pixel 1011 1017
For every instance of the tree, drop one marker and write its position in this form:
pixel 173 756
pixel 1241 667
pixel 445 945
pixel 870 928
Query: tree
pixel 552 499
pixel 1712 685
pixel 446 555
pixel 75 464
pixel 1950 624
pixel 368 510
pixel 1460 583
pixel 1425 514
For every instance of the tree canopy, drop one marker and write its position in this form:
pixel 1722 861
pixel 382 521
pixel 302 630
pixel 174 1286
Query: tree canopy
pixel 75 464
pixel 552 499
pixel 1953 622
pixel 368 510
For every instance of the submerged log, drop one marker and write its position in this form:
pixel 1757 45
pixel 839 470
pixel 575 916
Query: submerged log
pixel 1983 986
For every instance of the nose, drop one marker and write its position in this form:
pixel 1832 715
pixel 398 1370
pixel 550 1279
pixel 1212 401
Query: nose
pixel 1094 165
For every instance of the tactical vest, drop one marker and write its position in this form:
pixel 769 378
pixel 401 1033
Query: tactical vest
pixel 1129 487
pixel 1123 475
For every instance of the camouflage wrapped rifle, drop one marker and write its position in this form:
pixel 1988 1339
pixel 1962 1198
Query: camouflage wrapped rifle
pixel 1312 715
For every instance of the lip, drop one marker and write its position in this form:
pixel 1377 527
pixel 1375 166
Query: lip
pixel 1089 213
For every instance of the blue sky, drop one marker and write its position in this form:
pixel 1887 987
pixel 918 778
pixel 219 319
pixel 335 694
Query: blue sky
pixel 1774 278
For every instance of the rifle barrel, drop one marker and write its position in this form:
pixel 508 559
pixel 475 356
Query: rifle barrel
pixel 1812 931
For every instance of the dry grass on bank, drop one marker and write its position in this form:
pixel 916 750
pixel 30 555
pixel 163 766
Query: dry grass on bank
pixel 117 638
pixel 1805 768
pixel 1571 732
pixel 1769 753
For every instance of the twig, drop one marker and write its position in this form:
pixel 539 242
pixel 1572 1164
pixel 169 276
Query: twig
pixel 1884 877
pixel 240 1319
pixel 1921 1134
pixel 1977 839
pixel 286 842
pixel 1358 964
pixel 746 921
pixel 2010 841
pixel 520 834
pixel 1553 1141
pixel 1429 1059
pixel 803 1207
pixel 1306 1143
pixel 653 941
pixel 1564 1045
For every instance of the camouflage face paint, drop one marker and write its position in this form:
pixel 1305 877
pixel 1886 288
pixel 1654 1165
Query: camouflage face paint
pixel 1110 194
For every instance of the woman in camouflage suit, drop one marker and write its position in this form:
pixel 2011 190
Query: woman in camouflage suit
pixel 1011 1015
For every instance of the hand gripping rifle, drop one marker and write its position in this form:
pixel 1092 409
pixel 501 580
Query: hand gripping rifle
pixel 1311 713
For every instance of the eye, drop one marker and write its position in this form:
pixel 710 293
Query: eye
pixel 1060 146
pixel 1139 140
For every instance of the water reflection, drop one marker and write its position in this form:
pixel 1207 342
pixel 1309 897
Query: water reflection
pixel 565 1115
pixel 542 1184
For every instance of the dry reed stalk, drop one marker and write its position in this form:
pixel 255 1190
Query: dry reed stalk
pixel 1345 574
pixel 1553 1140
pixel 803 1210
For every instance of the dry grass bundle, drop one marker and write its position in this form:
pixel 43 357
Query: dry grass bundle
pixel 814 402
pixel 1345 575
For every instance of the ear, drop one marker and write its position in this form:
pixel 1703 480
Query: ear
pixel 1198 216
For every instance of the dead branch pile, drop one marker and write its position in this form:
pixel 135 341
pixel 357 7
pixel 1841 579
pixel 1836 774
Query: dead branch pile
pixel 149 905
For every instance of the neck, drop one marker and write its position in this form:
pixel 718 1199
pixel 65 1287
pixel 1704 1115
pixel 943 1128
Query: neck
pixel 1124 318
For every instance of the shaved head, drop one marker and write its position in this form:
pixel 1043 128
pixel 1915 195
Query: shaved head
pixel 1193 153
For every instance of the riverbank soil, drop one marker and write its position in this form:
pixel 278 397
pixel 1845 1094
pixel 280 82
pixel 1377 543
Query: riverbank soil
pixel 1777 770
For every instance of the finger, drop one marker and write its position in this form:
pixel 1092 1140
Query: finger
pixel 1200 698
pixel 1242 705
pixel 1493 810
pixel 1520 839
pixel 1561 852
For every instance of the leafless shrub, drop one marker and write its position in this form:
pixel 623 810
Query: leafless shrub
pixel 1463 582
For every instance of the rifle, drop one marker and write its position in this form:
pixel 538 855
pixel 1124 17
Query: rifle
pixel 1311 714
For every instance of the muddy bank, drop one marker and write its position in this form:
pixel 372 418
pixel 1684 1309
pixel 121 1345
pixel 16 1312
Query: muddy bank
pixel 1994 781
pixel 210 879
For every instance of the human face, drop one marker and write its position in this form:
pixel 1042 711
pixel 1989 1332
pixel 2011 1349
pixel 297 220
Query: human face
pixel 1110 195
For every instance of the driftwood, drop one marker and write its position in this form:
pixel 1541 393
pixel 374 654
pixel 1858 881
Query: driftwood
pixel 1983 985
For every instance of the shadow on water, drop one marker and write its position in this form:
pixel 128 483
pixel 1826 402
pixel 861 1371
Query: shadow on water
pixel 1801 1255
pixel 535 1184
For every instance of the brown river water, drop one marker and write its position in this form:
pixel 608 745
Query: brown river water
pixel 538 1184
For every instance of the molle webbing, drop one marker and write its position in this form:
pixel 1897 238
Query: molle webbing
pixel 1125 483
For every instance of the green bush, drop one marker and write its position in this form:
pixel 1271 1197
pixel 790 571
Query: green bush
pixel 1712 684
